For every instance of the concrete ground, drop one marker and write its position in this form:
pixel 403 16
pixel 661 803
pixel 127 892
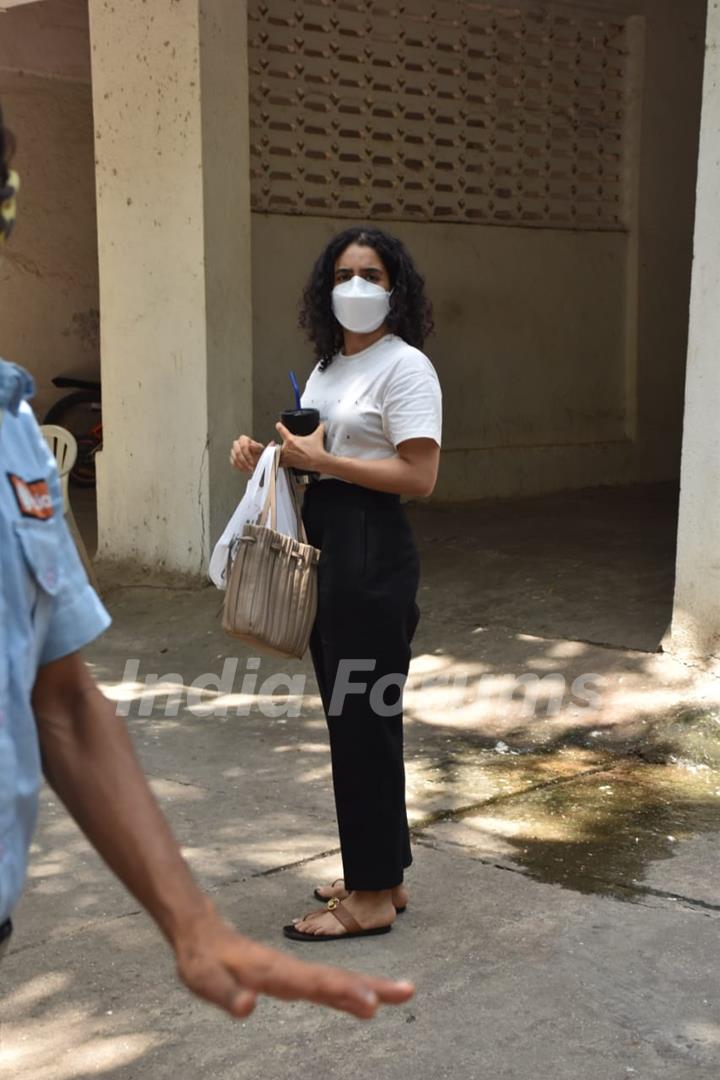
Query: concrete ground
pixel 566 889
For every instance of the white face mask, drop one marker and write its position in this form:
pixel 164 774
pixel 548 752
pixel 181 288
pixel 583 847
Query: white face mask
pixel 360 306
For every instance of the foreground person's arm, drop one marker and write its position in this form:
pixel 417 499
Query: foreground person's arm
pixel 89 761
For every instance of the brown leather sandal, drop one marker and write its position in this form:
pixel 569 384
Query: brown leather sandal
pixel 324 899
pixel 343 916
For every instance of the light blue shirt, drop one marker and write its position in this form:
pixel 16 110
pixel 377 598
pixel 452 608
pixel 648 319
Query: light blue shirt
pixel 47 611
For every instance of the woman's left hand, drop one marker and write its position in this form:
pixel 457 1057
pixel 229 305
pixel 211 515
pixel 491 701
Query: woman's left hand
pixel 303 452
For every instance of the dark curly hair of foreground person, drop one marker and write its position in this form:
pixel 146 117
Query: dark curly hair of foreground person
pixel 410 315
pixel 7 148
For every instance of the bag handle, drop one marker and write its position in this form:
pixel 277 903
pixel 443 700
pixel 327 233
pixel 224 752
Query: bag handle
pixel 270 506
pixel 269 509
pixel 294 493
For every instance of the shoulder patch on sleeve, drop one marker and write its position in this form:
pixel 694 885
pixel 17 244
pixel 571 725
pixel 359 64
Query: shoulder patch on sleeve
pixel 33 497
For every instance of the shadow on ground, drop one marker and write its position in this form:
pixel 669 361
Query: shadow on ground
pixel 549 777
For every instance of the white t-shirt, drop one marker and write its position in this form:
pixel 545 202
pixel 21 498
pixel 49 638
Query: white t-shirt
pixel 372 401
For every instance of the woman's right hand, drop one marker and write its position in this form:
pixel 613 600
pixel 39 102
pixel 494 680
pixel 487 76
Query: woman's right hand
pixel 245 453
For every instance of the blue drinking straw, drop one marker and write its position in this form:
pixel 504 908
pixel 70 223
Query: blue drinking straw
pixel 296 389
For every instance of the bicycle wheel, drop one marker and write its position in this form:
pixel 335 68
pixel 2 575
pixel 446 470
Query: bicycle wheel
pixel 77 412
pixel 82 473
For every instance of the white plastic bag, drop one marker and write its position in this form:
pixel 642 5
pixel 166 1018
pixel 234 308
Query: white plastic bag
pixel 250 508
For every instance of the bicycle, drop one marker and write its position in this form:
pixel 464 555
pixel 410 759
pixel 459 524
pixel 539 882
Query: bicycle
pixel 78 413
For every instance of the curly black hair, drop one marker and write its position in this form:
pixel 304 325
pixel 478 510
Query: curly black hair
pixel 7 148
pixel 410 315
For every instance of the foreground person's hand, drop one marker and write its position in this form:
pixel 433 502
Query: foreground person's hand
pixel 90 763
pixel 230 970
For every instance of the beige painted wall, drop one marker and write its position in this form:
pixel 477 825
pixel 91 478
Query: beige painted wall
pixel 675 51
pixel 548 382
pixel 535 327
pixel 170 98
pixel 47 39
pixel 529 343
pixel 48 274
pixel 696 616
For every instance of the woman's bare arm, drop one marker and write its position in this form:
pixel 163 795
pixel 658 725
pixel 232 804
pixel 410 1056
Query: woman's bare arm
pixel 412 471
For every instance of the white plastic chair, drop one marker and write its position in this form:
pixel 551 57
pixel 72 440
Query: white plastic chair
pixel 64 448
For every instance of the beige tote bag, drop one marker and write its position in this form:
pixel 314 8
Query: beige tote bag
pixel 271 595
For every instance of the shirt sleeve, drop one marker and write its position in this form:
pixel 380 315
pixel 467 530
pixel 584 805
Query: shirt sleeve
pixel 77 616
pixel 412 406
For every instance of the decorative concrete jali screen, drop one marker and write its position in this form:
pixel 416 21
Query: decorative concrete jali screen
pixel 444 111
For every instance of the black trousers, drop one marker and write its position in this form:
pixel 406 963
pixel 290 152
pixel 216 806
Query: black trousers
pixel 368 577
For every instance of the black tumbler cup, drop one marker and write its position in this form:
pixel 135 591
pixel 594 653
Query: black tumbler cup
pixel 301 422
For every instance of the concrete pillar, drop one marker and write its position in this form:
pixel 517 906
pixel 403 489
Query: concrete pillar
pixel 170 99
pixel 696 617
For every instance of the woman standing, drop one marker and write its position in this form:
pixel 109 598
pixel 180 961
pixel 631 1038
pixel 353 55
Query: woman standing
pixel 379 398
